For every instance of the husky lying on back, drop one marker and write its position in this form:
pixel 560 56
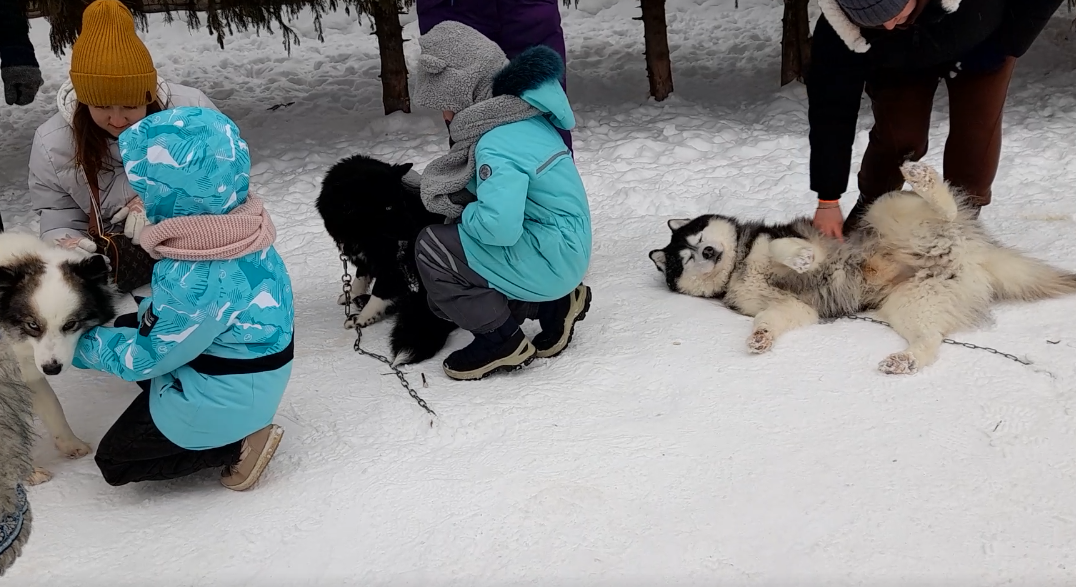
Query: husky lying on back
pixel 921 260
pixel 48 298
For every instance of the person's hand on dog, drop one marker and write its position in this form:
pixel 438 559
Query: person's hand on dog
pixel 829 220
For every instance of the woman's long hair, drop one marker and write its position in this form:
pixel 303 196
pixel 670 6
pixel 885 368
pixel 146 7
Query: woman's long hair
pixel 92 142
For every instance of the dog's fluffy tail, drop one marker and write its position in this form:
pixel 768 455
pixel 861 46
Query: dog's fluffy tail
pixel 417 334
pixel 1017 277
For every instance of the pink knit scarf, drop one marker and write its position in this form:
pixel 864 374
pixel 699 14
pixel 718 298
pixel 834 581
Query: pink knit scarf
pixel 244 230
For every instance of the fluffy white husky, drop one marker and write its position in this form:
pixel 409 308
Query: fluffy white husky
pixel 49 297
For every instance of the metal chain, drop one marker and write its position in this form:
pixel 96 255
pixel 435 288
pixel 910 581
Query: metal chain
pixel 346 279
pixel 966 345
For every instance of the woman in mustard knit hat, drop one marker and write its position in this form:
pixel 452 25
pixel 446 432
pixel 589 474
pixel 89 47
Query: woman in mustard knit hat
pixel 75 161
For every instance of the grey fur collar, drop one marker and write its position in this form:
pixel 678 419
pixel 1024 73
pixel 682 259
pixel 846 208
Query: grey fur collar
pixel 850 33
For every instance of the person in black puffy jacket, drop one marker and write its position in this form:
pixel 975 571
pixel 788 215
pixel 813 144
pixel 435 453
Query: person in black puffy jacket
pixel 898 51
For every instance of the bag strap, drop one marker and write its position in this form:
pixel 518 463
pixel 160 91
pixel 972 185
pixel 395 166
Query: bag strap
pixel 95 209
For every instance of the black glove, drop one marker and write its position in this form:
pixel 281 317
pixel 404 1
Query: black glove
pixel 21 83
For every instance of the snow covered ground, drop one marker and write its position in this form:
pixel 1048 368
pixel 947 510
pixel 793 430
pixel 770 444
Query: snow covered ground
pixel 655 451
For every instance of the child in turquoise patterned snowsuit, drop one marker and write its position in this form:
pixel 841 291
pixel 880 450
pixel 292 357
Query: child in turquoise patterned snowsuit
pixel 212 346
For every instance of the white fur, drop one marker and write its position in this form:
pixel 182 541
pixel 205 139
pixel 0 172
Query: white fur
pixel 373 311
pixel 55 302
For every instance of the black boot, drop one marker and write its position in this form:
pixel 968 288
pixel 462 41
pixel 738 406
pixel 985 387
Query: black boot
pixel 503 349
pixel 558 320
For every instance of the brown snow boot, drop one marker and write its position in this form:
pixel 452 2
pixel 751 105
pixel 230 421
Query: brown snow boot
pixel 254 455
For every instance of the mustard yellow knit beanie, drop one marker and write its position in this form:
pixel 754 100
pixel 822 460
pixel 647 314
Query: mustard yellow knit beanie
pixel 109 64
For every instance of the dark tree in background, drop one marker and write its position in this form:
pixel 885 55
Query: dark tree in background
pixel 656 38
pixel 386 15
pixel 795 42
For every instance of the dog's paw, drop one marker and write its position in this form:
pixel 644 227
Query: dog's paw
pixel 341 300
pixel 921 176
pixel 38 477
pixel 801 260
pixel 899 364
pixel 760 341
pixel 358 302
pixel 72 447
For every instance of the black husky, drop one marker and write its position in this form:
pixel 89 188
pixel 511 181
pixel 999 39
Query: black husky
pixel 375 216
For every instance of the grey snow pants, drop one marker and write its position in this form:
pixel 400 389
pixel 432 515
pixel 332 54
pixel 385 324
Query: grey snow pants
pixel 456 292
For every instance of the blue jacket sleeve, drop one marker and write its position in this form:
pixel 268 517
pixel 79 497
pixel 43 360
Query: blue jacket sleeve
pixel 174 330
pixel 496 218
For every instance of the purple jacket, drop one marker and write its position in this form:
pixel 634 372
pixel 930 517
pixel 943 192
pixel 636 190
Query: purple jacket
pixel 513 24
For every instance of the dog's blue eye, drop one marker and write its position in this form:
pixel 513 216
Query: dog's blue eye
pixel 31 325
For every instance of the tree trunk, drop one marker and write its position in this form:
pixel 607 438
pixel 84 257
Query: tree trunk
pixel 390 42
pixel 658 64
pixel 795 42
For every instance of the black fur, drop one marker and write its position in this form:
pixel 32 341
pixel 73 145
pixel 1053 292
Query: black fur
pixel 368 211
pixel 529 70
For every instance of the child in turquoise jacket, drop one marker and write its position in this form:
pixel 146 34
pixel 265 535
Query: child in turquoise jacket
pixel 212 346
pixel 521 241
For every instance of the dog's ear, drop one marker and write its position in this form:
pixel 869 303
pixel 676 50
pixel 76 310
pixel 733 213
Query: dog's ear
pixel 658 257
pixel 403 168
pixel 676 223
pixel 92 268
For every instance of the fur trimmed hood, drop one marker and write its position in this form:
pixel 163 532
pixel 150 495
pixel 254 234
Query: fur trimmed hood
pixel 851 34
pixel 534 75
pixel 528 71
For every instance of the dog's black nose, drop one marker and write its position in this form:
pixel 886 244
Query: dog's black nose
pixel 52 368
pixel 709 253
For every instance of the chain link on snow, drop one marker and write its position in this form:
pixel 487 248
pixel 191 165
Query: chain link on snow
pixel 966 345
pixel 346 280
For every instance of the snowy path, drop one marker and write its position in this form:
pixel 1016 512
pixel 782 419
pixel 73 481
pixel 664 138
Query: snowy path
pixel 656 450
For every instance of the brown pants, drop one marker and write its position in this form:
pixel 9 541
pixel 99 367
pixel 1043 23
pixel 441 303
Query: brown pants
pixel 902 109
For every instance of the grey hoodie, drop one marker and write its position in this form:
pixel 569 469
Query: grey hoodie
pixel 58 189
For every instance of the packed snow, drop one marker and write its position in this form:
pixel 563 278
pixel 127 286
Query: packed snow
pixel 655 450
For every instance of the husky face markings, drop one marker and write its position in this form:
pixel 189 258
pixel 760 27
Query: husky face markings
pixel 922 260
pixel 49 297
pixel 45 306
pixel 695 261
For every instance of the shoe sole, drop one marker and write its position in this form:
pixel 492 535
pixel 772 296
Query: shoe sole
pixel 271 445
pixel 575 315
pixel 520 358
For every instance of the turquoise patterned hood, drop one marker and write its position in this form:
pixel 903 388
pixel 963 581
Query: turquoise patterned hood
pixel 186 161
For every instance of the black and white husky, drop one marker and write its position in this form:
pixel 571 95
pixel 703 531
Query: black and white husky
pixel 374 215
pixel 921 260
pixel 49 297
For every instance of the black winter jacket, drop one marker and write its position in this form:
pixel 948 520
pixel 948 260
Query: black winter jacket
pixel 15 45
pixel 936 39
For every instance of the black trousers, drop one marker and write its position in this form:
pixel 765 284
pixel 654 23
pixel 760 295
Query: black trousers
pixel 134 449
